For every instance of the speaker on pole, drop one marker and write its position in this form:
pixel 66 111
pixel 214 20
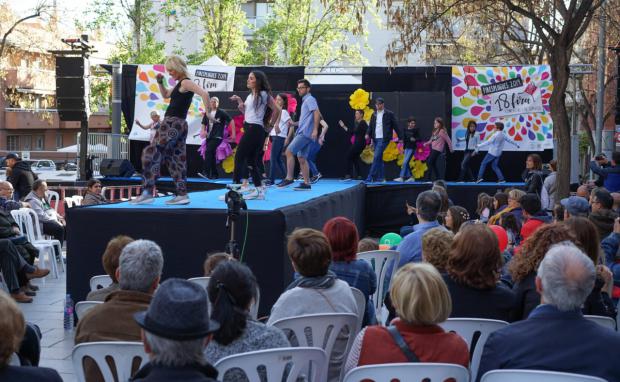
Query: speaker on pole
pixel 72 88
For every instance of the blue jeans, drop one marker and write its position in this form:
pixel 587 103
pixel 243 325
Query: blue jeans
pixel 494 165
pixel 314 151
pixel 405 171
pixel 276 164
pixel 376 169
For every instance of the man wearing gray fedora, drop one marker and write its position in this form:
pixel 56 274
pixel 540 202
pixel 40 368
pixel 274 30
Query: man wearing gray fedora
pixel 175 330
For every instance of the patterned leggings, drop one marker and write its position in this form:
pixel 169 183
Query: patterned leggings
pixel 168 149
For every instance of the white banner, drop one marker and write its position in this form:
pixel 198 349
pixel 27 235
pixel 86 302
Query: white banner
pixel 514 97
pixel 148 97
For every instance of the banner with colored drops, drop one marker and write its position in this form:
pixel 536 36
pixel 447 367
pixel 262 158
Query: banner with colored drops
pixel 148 97
pixel 518 96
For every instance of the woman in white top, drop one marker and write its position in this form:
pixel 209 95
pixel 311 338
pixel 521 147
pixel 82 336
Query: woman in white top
pixel 152 127
pixel 278 136
pixel 254 109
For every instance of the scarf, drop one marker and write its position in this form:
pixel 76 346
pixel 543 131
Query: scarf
pixel 320 282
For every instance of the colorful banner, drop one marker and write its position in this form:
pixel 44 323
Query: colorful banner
pixel 518 96
pixel 148 97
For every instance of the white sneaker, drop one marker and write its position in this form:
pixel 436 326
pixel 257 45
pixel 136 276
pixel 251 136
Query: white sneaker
pixel 145 198
pixel 222 198
pixel 411 180
pixel 399 179
pixel 178 200
pixel 257 194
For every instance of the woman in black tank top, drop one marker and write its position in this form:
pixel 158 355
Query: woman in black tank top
pixel 168 146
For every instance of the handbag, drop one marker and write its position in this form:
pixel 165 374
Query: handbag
pixel 400 342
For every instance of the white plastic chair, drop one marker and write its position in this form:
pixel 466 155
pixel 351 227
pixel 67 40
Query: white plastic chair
pixel 470 329
pixel 69 201
pixel 77 200
pixel 360 301
pixel 321 330
pixel 102 281
pixel 380 262
pixel 14 360
pixel 254 307
pixel 52 196
pixel 536 376
pixel 3 285
pixel 84 306
pixel 121 353
pixel 408 372
pixel 29 225
pixel 605 321
pixel 275 362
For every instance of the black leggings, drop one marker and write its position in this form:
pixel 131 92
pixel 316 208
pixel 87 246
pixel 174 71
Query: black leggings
pixel 434 172
pixel 354 160
pixel 247 154
pixel 210 164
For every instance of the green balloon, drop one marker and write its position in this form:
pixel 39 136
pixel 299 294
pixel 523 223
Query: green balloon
pixel 391 239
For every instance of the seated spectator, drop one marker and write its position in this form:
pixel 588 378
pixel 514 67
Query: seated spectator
pixel 93 195
pixel 556 336
pixel 175 330
pixel 473 273
pixel 367 244
pixel 317 290
pixel 533 215
pixel 455 217
pixel 422 301
pixel 51 223
pixel 599 302
pixel 110 260
pixel 17 272
pixel 558 213
pixel 445 202
pixel 514 207
pixel 610 173
pixel 575 206
pixel 138 274
pixel 12 329
pixel 616 206
pixel 500 202
pixel 342 236
pixel 584 191
pixel 7 203
pixel 523 265
pixel 232 291
pixel 436 245
pixel 213 260
pixel 484 207
pixel 602 215
pixel 513 229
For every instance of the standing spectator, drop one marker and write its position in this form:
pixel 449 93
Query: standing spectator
pixel 611 173
pixel 436 245
pixel 213 124
pixel 21 175
pixel 175 330
pixel 343 240
pixel 93 194
pixel 533 215
pixel 556 336
pixel 473 274
pixel 471 143
pixel 584 191
pixel 484 207
pixel 382 125
pixel 455 217
pixel 51 222
pixel 602 215
pixel 575 206
pixel 532 175
pixel 358 133
pixel 439 140
pixel 411 135
pixel 558 213
pixel 610 246
pixel 549 188
pixel 496 147
pixel 110 261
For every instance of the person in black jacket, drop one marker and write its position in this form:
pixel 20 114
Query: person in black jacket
pixel 213 124
pixel 411 135
pixel 358 131
pixel 533 175
pixel 21 175
pixel 382 125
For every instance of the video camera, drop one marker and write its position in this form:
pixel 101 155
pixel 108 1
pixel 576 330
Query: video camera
pixel 235 202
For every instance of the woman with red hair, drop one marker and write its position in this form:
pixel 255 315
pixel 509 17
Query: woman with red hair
pixel 343 238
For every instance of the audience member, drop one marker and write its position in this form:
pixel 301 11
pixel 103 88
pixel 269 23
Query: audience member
pixel 455 217
pixel 556 336
pixel 342 236
pixel 317 290
pixel 602 215
pixel 549 188
pixel 176 328
pixel 17 272
pixel 12 329
pixel 558 213
pixel 616 206
pixel 445 203
pixel 422 301
pixel 473 273
pixel 575 206
pixel 523 265
pixel 436 245
pixel 110 261
pixel 610 173
pixel 532 175
pixel 533 215
pixel 213 260
pixel 367 244
pixel 484 207
pixel 583 191
pixel 7 202
pixel 514 207
pixel 93 195
pixel 232 291
pixel 20 175
pixel 610 246
pixel 51 222
pixel 138 274
pixel 500 202
pixel 513 229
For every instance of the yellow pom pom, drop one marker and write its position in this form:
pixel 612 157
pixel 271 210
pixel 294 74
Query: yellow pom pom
pixel 391 152
pixel 359 99
pixel 367 114
pixel 367 155
pixel 228 164
pixel 418 168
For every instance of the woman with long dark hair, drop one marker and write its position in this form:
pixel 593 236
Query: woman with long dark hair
pixel 358 131
pixel 439 139
pixel 532 175
pixel 471 142
pixel 255 111
pixel 278 135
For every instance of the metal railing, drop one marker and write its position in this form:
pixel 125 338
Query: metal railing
pixel 105 146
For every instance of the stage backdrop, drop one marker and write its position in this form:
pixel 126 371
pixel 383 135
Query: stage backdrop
pixel 518 96
pixel 148 97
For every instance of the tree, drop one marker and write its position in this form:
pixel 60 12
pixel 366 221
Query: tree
pixel 552 25
pixel 9 27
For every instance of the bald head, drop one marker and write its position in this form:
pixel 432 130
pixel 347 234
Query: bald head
pixel 6 189
pixel 583 191
pixel 565 277
pixel 616 196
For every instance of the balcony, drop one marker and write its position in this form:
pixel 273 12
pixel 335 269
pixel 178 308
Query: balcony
pixel 48 119
pixel 31 80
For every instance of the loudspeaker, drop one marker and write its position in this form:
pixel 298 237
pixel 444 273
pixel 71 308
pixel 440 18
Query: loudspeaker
pixel 72 88
pixel 116 167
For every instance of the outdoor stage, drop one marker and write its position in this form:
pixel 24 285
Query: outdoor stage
pixel 187 233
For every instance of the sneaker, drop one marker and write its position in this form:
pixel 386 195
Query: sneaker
pixel 399 179
pixel 257 194
pixel 285 183
pixel 268 182
pixel 145 198
pixel 501 181
pixel 178 200
pixel 347 178
pixel 202 176
pixel 222 198
pixel 315 178
pixel 410 180
pixel 303 187
pixel 479 180
pixel 300 178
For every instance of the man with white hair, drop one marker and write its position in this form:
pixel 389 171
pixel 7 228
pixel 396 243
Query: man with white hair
pixel 138 273
pixel 556 336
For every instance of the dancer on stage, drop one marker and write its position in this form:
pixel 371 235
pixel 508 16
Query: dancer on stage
pixel 313 170
pixel 278 136
pixel 439 140
pixel 169 142
pixel 213 124
pixel 496 146
pixel 471 142
pixel 152 127
pixel 411 136
pixel 382 125
pixel 358 131
pixel 254 109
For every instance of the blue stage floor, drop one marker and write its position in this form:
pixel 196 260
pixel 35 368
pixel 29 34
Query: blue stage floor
pixel 275 197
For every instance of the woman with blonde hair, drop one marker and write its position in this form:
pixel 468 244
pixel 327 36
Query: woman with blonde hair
pixel 514 207
pixel 168 146
pixel 422 301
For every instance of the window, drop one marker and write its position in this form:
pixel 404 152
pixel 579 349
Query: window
pixel 171 20
pixel 39 142
pixel 25 142
pixel 12 142
pixel 59 141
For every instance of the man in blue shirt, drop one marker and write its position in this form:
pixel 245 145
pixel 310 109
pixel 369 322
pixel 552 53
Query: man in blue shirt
pixel 306 134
